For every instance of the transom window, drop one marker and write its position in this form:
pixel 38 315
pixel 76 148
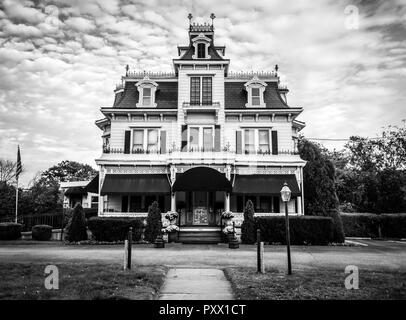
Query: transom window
pixel 145 140
pixel 201 90
pixel 201 138
pixel 256 141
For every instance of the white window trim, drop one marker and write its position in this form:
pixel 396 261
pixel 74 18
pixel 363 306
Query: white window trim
pixel 145 138
pixel 256 139
pixel 146 82
pixel 201 38
pixel 200 127
pixel 261 85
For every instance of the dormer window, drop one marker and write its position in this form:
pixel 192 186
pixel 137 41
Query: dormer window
pixel 201 51
pixel 201 44
pixel 146 89
pixel 146 97
pixel 255 89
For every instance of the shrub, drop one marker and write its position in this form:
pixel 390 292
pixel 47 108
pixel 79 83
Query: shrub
pixel 77 225
pixel 115 229
pixel 10 231
pixel 248 225
pixel 368 225
pixel 360 224
pixel 313 230
pixel 154 223
pixel 338 229
pixel 42 232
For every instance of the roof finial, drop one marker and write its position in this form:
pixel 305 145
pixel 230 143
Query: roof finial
pixel 276 69
pixel 189 16
pixel 126 70
pixel 212 17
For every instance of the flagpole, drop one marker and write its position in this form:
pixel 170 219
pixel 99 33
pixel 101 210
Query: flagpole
pixel 17 200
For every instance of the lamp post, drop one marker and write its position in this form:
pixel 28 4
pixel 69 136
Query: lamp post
pixel 285 195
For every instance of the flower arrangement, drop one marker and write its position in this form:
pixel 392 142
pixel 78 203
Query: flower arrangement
pixel 170 228
pixel 171 215
pixel 228 229
pixel 227 215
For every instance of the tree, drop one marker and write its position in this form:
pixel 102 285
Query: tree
pixel 154 223
pixel 319 179
pixel 68 171
pixel 76 230
pixel 7 199
pixel 248 225
pixel 385 152
pixel 7 170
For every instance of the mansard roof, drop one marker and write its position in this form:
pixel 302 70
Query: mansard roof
pixel 166 96
pixel 235 96
pixel 214 55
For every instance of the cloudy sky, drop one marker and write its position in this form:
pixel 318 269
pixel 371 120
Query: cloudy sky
pixel 60 61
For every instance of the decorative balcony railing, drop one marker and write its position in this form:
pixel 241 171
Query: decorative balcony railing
pixel 251 74
pixel 195 150
pixel 201 104
pixel 150 74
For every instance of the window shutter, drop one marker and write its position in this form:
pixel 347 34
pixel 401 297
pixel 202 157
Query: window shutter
pixel 274 142
pixel 184 138
pixel 124 204
pixel 127 137
pixel 163 141
pixel 217 138
pixel 238 142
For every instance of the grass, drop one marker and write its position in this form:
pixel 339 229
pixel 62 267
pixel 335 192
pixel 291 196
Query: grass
pixel 315 284
pixel 84 281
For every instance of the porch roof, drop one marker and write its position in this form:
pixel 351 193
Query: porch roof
pixel 202 179
pixel 265 184
pixel 135 183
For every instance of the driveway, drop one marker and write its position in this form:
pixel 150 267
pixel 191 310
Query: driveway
pixel 378 255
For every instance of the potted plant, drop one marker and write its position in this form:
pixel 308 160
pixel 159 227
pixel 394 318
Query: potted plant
pixel 227 215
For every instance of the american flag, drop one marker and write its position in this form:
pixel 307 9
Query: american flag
pixel 19 168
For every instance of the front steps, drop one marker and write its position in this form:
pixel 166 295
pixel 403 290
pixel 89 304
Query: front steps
pixel 200 234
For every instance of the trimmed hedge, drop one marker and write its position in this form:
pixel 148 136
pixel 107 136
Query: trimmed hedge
pixel 41 232
pixel 313 230
pixel 10 231
pixel 115 229
pixel 368 225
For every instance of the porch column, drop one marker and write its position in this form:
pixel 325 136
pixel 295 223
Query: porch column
pixel 100 208
pixel 227 202
pixel 173 201
pixel 299 205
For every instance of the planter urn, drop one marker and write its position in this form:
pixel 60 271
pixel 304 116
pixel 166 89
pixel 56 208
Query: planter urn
pixel 159 242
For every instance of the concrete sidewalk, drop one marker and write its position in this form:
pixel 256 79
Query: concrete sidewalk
pixel 196 284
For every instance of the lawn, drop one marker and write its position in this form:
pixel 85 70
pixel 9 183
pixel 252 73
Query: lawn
pixel 315 284
pixel 84 281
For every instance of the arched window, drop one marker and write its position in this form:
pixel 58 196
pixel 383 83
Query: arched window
pixel 201 50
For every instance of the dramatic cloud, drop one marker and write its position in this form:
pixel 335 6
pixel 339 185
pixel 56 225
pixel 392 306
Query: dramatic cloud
pixel 60 61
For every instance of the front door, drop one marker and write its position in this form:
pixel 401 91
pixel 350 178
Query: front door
pixel 200 208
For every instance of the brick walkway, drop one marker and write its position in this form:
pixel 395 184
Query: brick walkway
pixel 196 284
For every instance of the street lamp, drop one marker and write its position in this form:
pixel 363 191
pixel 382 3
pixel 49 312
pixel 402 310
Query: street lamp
pixel 285 195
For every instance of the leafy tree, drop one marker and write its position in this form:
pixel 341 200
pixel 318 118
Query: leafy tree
pixel 7 199
pixel 319 179
pixel 68 171
pixel 7 170
pixel 248 225
pixel 76 230
pixel 154 223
